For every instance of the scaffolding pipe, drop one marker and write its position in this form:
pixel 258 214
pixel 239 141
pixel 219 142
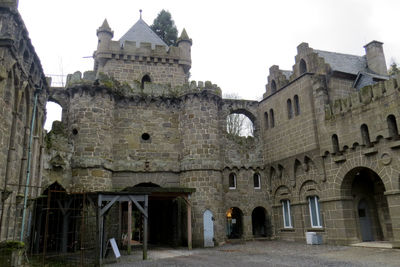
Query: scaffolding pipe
pixel 28 171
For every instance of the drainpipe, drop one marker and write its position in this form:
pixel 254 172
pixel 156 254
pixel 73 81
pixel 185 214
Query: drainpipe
pixel 28 170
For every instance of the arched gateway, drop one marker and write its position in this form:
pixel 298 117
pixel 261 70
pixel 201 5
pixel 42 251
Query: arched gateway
pixel 363 192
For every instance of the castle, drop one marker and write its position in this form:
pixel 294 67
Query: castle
pixel 324 155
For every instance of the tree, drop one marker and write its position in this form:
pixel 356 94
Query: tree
pixel 238 124
pixel 165 27
pixel 394 70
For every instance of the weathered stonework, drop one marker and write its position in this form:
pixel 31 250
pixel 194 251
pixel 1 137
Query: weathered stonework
pixel 325 131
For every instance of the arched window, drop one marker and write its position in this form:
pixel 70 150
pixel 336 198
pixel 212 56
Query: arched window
pixel 232 181
pixel 54 112
pixel 392 125
pixel 287 221
pixel 257 180
pixel 303 66
pixel 296 105
pixel 289 109
pixel 145 79
pixel 365 135
pixel 335 144
pixel 315 214
pixel 266 120
pixel 271 118
pixel 273 86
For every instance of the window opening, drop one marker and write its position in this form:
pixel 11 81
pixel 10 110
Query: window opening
pixel 315 216
pixel 303 66
pixel 287 222
pixel 335 144
pixel 232 181
pixel 289 109
pixel 273 86
pixel 271 118
pixel 257 181
pixel 145 79
pixel 392 125
pixel 296 105
pixel 365 135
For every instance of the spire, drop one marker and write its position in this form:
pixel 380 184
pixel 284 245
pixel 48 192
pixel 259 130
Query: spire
pixel 184 37
pixel 105 28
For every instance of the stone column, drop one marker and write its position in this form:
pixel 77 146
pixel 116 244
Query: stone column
pixel 394 210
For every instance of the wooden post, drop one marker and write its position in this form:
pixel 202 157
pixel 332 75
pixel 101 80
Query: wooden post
pixel 98 232
pixel 189 224
pixel 129 235
pixel 119 224
pixel 146 200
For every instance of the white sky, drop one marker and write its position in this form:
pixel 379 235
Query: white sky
pixel 234 42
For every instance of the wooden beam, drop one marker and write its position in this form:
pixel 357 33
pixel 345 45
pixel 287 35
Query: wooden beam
pixel 108 206
pixel 129 235
pixel 139 206
pixel 146 200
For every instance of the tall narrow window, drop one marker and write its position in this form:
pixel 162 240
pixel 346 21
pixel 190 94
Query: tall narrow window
pixel 392 125
pixel 232 181
pixel 145 79
pixel 302 66
pixel 271 118
pixel 287 221
pixel 266 120
pixel 365 135
pixel 296 105
pixel 335 144
pixel 289 109
pixel 273 86
pixel 257 181
pixel 315 215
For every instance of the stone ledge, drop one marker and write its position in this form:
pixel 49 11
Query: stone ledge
pixel 370 151
pixel 395 144
pixel 339 158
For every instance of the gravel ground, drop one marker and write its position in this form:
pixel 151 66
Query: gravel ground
pixel 266 253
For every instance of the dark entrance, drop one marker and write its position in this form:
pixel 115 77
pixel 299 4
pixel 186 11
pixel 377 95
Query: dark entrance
pixel 259 222
pixel 234 227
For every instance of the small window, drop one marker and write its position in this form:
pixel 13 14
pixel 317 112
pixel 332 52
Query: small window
pixel 257 181
pixel 287 221
pixel 303 66
pixel 289 109
pixel 365 135
pixel 273 86
pixel 232 181
pixel 296 105
pixel 392 125
pixel 145 79
pixel 271 118
pixel 266 120
pixel 315 216
pixel 335 144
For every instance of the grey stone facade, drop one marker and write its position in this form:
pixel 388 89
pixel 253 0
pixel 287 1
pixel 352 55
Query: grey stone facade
pixel 137 120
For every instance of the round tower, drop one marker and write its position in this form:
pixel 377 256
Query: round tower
pixel 185 45
pixel 201 160
pixel 104 34
pixel 90 130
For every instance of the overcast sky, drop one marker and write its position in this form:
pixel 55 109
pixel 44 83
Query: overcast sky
pixel 234 42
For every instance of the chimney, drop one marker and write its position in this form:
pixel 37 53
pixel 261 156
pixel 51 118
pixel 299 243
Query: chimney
pixel 376 58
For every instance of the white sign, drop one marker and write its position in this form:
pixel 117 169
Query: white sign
pixel 115 248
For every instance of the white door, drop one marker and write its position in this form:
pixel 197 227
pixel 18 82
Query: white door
pixel 208 229
pixel 365 221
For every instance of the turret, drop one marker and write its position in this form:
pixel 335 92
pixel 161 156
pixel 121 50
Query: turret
pixel 185 43
pixel 376 58
pixel 104 34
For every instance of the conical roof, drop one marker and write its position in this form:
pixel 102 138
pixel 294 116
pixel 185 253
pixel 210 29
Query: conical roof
pixel 142 33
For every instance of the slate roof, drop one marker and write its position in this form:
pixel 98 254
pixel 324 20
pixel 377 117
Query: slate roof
pixel 142 33
pixel 344 62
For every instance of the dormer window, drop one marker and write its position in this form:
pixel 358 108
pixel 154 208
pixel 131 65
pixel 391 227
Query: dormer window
pixel 303 66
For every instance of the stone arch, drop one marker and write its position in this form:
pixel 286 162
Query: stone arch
pixel 145 79
pixel 234 217
pixel 259 221
pixel 370 216
pixel 308 188
pixel 362 162
pixel 282 192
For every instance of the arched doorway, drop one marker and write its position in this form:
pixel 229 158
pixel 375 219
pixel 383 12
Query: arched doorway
pixel 208 223
pixel 370 219
pixel 234 227
pixel 259 222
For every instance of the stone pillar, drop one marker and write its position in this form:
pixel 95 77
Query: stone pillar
pixel 90 128
pixel 394 210
pixel 200 164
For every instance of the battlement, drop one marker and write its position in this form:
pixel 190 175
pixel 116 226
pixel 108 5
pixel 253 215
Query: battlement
pixel 363 97
pixel 149 89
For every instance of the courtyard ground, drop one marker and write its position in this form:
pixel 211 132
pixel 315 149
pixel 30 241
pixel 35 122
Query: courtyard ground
pixel 265 253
